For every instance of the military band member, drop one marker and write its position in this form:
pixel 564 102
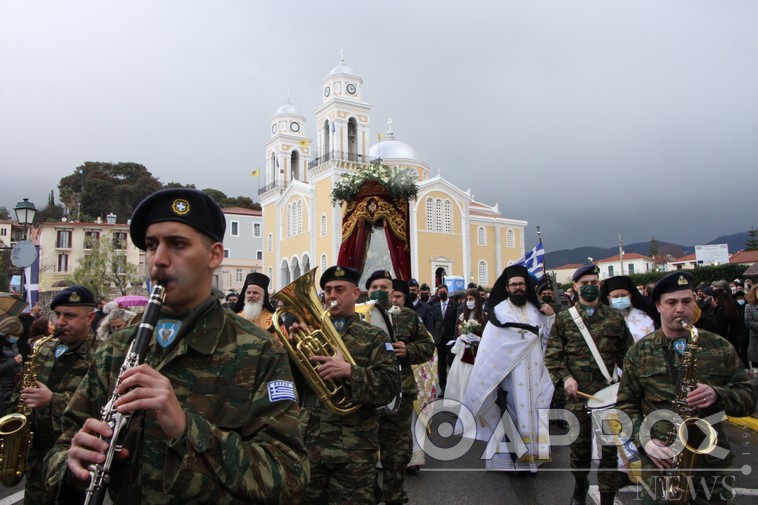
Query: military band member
pixel 413 345
pixel 342 449
pixel 572 365
pixel 62 363
pixel 214 405
pixel 652 369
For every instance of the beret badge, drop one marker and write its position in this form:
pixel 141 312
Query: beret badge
pixel 180 207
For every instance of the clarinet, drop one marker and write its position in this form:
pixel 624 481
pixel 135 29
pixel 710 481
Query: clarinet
pixel 119 422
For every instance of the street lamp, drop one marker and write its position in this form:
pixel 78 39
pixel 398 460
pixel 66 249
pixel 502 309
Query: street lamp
pixel 24 253
pixel 25 212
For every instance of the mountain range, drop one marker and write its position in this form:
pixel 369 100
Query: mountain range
pixel 555 259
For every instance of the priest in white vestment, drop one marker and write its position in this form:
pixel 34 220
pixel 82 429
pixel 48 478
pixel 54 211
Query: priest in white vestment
pixel 509 384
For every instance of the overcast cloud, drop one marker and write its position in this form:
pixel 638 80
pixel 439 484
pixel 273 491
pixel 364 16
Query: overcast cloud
pixel 590 118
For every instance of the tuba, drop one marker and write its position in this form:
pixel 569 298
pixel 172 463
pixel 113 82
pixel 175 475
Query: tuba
pixel 697 435
pixel 321 339
pixel 15 429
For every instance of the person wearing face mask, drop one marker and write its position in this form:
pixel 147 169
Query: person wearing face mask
pixel 620 293
pixel 572 364
pixel 546 294
pixel 423 309
pixel 412 345
pixel 445 315
pixel 10 360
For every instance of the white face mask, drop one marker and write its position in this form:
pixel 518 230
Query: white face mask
pixel 621 303
pixel 470 305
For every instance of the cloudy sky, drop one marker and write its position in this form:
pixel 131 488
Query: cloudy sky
pixel 588 117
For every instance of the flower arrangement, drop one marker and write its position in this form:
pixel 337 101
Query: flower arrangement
pixel 399 182
pixel 470 327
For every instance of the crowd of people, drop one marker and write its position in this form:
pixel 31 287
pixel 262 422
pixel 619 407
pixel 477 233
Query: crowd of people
pixel 223 412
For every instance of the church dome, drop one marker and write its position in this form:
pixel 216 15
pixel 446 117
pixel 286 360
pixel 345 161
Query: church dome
pixel 287 108
pixel 391 148
pixel 341 69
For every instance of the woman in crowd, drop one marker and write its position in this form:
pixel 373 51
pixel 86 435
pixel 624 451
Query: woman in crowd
pixel 729 323
pixel 471 323
pixel 751 321
pixel 10 360
pixel 116 319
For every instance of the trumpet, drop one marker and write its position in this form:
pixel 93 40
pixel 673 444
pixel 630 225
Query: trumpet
pixel 302 301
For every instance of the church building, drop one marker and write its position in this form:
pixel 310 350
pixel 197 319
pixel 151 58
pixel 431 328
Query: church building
pixel 451 234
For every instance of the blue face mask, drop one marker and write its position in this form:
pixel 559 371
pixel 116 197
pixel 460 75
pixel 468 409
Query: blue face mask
pixel 621 303
pixel 12 340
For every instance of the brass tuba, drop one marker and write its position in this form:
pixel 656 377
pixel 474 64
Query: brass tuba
pixel 322 339
pixel 15 429
pixel 697 435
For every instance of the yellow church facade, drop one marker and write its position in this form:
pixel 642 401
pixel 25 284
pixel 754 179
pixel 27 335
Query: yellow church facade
pixel 451 234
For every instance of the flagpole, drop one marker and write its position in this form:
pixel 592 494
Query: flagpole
pixel 621 255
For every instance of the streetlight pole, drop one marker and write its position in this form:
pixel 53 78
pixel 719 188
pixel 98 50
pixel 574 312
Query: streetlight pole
pixel 25 212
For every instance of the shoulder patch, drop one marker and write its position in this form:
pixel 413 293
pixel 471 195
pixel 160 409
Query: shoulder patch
pixel 389 347
pixel 281 390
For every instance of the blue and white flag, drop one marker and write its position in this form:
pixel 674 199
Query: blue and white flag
pixel 534 261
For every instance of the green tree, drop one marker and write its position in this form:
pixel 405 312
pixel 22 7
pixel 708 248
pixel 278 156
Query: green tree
pixel 51 212
pixel 752 243
pixel 97 189
pixel 4 214
pixel 175 185
pixel 106 267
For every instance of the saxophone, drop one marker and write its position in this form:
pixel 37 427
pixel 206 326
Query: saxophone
pixel 696 435
pixel 15 429
pixel 119 423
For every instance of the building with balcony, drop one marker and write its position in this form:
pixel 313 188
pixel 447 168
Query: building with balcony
pixel 451 233
pixel 243 248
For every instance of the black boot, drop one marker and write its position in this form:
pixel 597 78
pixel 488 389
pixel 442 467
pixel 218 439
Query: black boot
pixel 581 486
pixel 607 498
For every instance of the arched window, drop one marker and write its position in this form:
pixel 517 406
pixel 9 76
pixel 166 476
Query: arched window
pixel 481 270
pixel 438 215
pixel 289 219
pixel 306 262
pixel 284 273
pixel 352 140
pixel 270 273
pixel 323 225
pixel 270 242
pixel 324 265
pixel 510 239
pixel 295 166
pixel 429 214
pixel 448 216
pixel 481 236
pixel 299 221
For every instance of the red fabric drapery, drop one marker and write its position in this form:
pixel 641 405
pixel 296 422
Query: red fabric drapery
pixel 374 205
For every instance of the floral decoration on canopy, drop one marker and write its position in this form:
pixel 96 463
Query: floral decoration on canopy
pixel 399 183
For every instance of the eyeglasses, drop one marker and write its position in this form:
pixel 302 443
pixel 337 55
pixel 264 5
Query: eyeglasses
pixel 517 285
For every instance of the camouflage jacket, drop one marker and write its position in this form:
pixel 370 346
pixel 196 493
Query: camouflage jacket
pixel 374 382
pixel 408 328
pixel 567 353
pixel 241 443
pixel 647 385
pixel 62 376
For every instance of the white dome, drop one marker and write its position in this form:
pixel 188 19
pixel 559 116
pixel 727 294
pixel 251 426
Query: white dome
pixel 341 69
pixel 392 149
pixel 287 108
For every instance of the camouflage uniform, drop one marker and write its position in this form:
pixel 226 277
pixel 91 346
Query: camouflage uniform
pixel 395 436
pixel 61 376
pixel 567 355
pixel 240 445
pixel 343 449
pixel 647 386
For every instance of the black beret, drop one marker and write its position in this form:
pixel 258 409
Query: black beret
pixel 678 281
pixel 73 296
pixel 544 284
pixel 378 274
pixel 228 295
pixel 425 287
pixel 184 205
pixel 338 273
pixel 585 270
pixel 412 282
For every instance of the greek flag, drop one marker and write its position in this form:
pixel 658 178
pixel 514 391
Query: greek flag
pixel 534 261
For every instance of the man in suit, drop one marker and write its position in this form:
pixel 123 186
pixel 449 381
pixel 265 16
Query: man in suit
pixel 423 309
pixel 445 316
